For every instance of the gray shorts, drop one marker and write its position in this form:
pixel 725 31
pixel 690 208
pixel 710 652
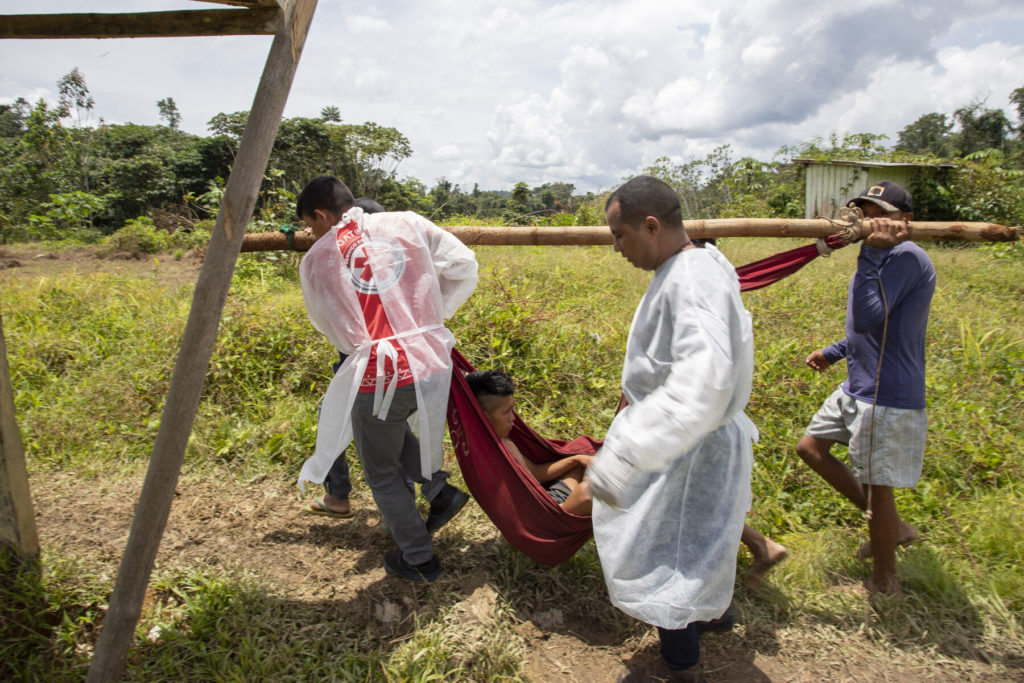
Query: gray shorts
pixel 558 490
pixel 897 451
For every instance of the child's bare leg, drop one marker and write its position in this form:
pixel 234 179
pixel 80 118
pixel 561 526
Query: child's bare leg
pixel 579 501
pixel 767 553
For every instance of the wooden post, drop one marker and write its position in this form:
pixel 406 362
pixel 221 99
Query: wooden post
pixel 197 344
pixel 17 519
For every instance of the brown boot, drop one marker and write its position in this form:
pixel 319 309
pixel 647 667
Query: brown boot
pixel 659 672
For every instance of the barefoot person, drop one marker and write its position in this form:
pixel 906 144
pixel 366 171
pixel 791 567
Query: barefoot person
pixel 671 484
pixel 767 553
pixel 879 411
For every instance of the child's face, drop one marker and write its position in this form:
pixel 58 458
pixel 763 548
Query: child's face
pixel 501 414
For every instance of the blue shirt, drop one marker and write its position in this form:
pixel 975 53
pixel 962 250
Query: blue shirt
pixel 905 276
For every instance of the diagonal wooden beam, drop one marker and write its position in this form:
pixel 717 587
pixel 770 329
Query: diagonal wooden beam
pixel 206 22
pixel 17 519
pixel 197 344
pixel 247 3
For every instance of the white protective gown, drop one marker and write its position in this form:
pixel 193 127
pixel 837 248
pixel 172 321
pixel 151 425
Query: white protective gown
pixel 669 553
pixel 423 274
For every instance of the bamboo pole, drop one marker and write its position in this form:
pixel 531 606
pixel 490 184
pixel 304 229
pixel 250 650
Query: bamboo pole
pixel 197 344
pixel 920 231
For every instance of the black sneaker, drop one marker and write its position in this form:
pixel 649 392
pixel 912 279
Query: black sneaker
pixel 396 565
pixel 722 623
pixel 445 506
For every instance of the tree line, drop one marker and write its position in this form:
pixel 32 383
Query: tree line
pixel 64 176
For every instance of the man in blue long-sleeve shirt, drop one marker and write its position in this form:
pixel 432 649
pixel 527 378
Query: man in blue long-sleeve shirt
pixel 879 411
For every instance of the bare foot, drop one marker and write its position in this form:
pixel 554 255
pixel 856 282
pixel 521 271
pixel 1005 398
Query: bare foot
pixel 772 554
pixel 884 588
pixel 908 534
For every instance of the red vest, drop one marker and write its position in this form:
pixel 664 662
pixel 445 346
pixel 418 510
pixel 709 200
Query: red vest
pixel 350 242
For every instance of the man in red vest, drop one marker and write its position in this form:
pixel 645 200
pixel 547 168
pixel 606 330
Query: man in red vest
pixel 379 287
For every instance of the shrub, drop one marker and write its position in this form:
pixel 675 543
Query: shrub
pixel 138 236
pixel 68 216
pixel 196 238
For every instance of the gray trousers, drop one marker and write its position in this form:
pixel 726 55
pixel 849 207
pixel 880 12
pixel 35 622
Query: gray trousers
pixel 339 484
pixel 390 454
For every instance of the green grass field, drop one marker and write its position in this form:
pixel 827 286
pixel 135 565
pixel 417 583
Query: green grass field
pixel 91 354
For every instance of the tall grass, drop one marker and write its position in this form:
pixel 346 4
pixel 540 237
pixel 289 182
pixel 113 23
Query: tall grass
pixel 91 359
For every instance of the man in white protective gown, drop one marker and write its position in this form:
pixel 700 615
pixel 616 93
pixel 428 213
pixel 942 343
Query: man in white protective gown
pixel 379 287
pixel 671 483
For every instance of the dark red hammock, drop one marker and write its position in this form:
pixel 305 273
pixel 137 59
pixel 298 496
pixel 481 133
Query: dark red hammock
pixel 770 270
pixel 520 507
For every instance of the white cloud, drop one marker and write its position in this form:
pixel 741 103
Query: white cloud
pixel 366 25
pixel 761 52
pixel 584 91
pixel 447 153
pixel 31 96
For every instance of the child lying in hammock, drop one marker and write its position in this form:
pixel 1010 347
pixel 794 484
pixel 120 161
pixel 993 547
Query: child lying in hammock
pixel 563 479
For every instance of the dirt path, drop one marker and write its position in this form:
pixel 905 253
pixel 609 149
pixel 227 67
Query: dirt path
pixel 25 262
pixel 313 559
pixel 308 558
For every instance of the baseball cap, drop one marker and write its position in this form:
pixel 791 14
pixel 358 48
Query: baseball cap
pixel 887 195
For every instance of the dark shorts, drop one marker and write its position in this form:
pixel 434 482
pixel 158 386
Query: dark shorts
pixel 558 490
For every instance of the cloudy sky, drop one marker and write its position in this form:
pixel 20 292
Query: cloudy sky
pixel 585 92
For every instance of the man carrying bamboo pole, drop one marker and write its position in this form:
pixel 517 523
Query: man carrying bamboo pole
pixel 879 411
pixel 445 500
pixel 379 287
pixel 672 481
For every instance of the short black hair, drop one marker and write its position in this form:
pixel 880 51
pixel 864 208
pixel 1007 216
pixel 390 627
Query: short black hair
pixel 368 205
pixel 325 192
pixel 490 383
pixel 644 196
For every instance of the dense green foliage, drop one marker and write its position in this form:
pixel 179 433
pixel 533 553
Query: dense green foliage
pixel 62 175
pixel 91 356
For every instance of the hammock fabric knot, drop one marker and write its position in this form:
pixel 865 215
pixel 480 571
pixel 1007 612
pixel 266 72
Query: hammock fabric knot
pixel 770 270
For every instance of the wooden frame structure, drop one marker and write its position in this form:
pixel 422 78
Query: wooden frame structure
pixel 288 21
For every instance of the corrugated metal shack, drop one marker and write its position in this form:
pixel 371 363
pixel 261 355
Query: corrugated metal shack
pixel 830 184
